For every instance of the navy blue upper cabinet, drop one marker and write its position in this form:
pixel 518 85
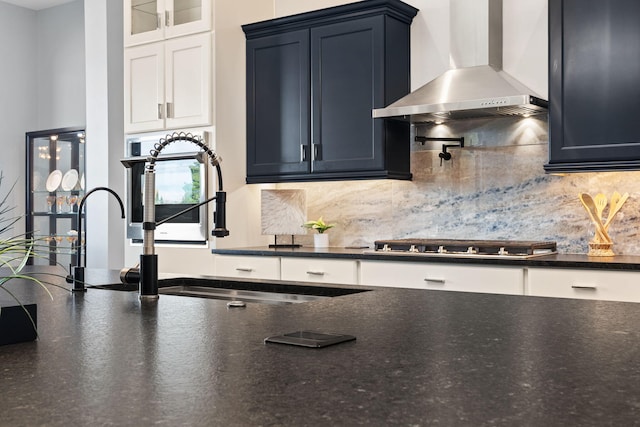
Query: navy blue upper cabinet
pixel 278 104
pixel 312 81
pixel 594 85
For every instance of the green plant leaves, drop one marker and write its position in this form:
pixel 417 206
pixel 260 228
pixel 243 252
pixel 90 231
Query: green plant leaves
pixel 318 225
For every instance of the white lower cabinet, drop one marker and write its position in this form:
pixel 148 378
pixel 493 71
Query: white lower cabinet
pixel 320 270
pixel 584 284
pixel 446 277
pixel 545 282
pixel 247 267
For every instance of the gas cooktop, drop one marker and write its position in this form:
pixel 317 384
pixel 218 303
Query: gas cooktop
pixel 468 248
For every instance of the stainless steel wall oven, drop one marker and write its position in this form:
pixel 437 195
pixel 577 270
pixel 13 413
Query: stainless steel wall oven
pixel 181 181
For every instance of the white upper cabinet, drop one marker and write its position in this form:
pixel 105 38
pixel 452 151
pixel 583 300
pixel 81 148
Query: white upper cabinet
pixel 144 88
pixel 168 85
pixel 148 21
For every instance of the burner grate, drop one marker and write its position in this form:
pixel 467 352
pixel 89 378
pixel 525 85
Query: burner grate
pixel 515 248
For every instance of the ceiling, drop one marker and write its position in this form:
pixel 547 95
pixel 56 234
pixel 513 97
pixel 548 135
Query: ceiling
pixel 37 4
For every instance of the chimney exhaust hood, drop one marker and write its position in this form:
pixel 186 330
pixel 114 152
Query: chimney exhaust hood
pixel 476 86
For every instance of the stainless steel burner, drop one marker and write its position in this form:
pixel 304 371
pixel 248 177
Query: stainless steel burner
pixel 466 248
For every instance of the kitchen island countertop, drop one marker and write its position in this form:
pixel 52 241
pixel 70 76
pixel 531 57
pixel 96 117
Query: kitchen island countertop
pixel 420 358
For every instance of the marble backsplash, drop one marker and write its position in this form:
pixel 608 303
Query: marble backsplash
pixel 493 188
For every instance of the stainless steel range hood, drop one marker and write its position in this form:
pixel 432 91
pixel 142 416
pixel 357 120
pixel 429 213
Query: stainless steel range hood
pixel 476 86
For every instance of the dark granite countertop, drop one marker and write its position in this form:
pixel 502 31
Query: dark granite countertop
pixel 618 262
pixel 420 358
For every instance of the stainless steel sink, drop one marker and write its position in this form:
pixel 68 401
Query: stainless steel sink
pixel 238 295
pixel 241 291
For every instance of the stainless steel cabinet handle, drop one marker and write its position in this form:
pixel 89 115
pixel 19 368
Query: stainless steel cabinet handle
pixel 158 21
pixel 160 111
pixel 588 287
pixel 435 281
pixel 167 18
pixel 316 273
pixel 303 153
pixel 244 269
pixel 316 152
pixel 170 110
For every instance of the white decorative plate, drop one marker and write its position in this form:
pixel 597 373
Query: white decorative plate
pixel 53 181
pixel 69 180
pixel 82 182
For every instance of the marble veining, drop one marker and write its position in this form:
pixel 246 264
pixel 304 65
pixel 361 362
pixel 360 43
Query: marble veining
pixel 494 188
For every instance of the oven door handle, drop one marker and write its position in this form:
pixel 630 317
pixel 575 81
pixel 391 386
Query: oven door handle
pixel 190 208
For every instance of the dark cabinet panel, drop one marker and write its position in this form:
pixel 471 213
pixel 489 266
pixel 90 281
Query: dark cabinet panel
pixel 278 107
pixel 312 81
pixel 347 85
pixel 594 90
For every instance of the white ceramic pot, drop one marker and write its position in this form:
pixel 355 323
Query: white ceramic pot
pixel 321 240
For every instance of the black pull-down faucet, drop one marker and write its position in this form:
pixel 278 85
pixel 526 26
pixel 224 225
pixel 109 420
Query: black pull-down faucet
pixel 77 275
pixel 146 273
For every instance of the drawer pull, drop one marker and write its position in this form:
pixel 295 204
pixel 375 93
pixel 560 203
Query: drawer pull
pixel 244 269
pixel 435 281
pixel 316 273
pixel 587 287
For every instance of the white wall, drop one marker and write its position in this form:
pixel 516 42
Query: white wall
pixel 105 130
pixel 17 96
pixel 48 83
pixel 243 206
pixel 60 66
pixel 41 80
pixel 525 42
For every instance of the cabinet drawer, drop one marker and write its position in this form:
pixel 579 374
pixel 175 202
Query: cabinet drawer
pixel 248 267
pixel 584 284
pixel 446 277
pixel 320 270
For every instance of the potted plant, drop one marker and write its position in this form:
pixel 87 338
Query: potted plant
pixel 18 322
pixel 320 240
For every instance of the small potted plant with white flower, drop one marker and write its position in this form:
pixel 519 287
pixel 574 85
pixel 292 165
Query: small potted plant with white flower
pixel 320 239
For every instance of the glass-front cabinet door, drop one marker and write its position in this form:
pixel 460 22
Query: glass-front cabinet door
pixel 187 17
pixel 55 185
pixel 143 21
pixel 154 20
